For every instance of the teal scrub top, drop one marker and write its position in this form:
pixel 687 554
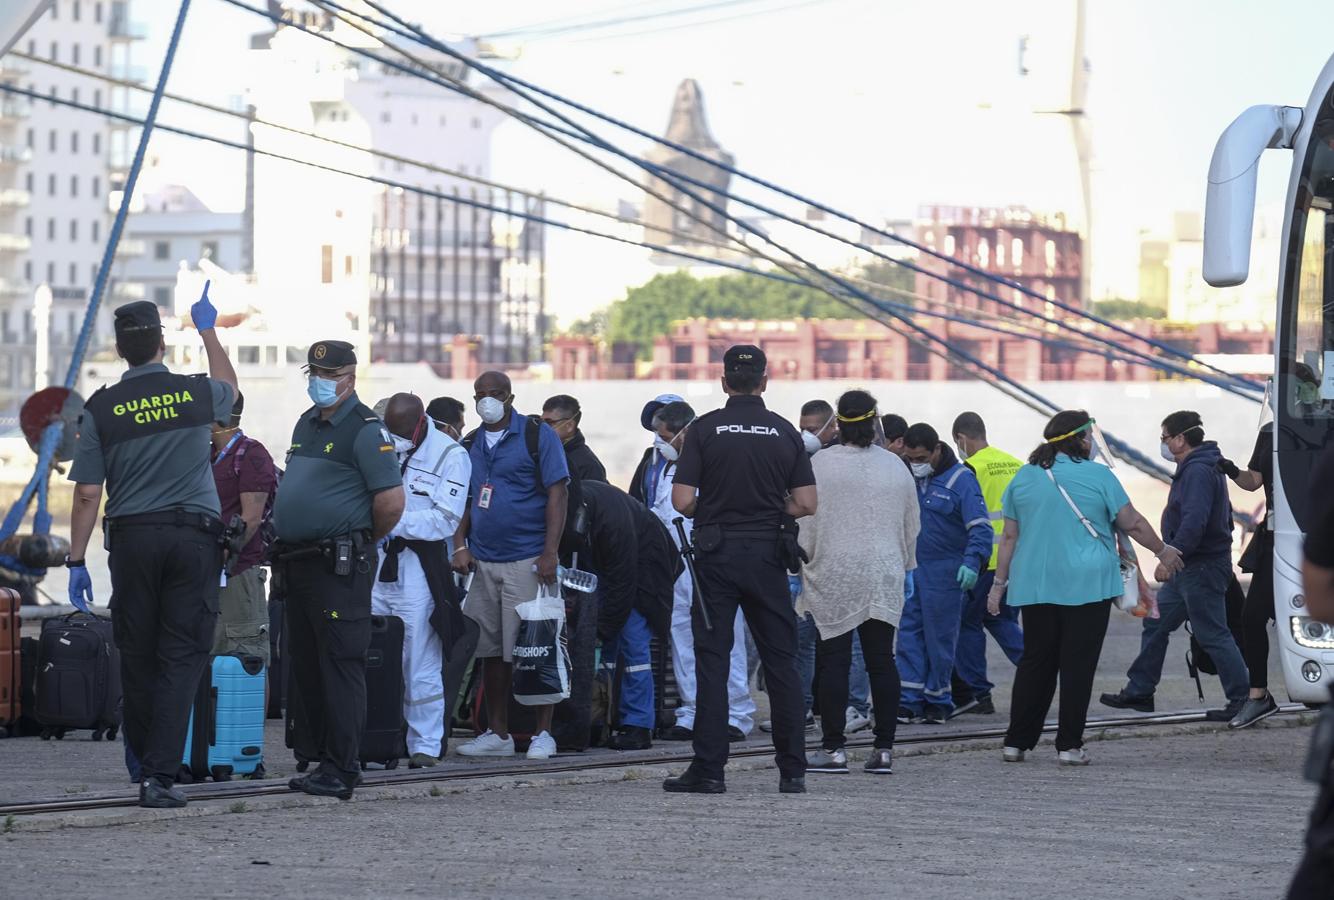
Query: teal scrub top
pixel 1056 560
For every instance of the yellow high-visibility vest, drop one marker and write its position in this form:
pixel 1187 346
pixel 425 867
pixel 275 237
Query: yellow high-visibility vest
pixel 994 470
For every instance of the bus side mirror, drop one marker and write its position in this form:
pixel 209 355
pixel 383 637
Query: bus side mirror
pixel 1229 204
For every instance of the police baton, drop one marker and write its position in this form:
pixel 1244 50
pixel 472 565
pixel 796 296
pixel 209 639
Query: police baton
pixel 688 554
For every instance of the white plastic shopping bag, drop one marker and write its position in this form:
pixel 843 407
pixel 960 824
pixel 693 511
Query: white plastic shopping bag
pixel 541 652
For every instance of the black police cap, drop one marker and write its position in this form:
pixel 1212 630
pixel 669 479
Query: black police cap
pixel 331 355
pixel 744 358
pixel 141 315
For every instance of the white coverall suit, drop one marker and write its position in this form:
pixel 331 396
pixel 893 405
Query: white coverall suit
pixel 435 483
pixel 740 705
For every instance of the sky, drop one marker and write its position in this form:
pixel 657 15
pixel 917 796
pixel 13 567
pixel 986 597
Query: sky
pixel 872 106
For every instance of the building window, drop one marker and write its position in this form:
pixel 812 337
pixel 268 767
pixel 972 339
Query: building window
pixel 97 12
pixel 73 142
pixel 414 118
pixel 97 97
pixel 71 325
pixel 97 142
pixel 384 116
pixel 162 296
pixel 55 57
pixel 92 274
pixel 32 48
pixel 74 185
pixel 51 185
pixel 50 273
pixel 442 121
pixel 76 13
pixel 27 226
pixel 27 270
pixel 50 229
pixel 162 250
pixel 74 52
pixel 55 92
pixel 97 56
pixel 326 264
pixel 51 141
pixel 27 182
pixel 73 234
pixel 97 231
pixel 74 94
pixel 209 250
pixel 97 186
pixel 476 122
pixel 55 10
pixel 32 138
pixel 73 274
pixel 347 265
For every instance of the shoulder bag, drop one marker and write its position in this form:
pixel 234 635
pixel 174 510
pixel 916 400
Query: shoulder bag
pixel 1129 598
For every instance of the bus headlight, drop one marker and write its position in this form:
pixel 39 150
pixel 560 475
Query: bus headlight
pixel 1311 671
pixel 1310 633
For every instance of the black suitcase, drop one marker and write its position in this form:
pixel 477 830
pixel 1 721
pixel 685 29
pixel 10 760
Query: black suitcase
pixel 27 725
pixel 78 677
pixel 572 718
pixel 454 677
pixel 384 739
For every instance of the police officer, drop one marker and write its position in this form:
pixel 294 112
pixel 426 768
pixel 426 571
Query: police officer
pixel 148 438
pixel 341 493
pixel 742 470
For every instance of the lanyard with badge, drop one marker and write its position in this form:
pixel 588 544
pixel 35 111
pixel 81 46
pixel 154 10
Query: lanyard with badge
pixel 228 449
pixel 488 454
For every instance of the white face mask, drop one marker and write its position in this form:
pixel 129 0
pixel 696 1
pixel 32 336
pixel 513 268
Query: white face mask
pixel 921 470
pixel 667 450
pixel 811 442
pixel 1166 453
pixel 963 454
pixel 491 410
pixel 402 446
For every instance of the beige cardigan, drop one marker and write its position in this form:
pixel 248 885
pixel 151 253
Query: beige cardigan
pixel 861 540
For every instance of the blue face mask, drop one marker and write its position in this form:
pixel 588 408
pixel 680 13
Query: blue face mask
pixel 323 391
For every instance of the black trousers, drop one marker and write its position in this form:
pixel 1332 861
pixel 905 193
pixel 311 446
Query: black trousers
pixel 1059 641
pixel 1315 873
pixel 164 610
pixel 1255 616
pixel 328 633
pixel 834 657
pixel 745 572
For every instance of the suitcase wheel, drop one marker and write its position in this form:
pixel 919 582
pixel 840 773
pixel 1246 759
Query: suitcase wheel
pixel 112 732
pixel 259 773
pixel 302 765
pixel 221 773
pixel 60 734
pixel 391 764
pixel 185 776
pixel 46 734
pixel 97 734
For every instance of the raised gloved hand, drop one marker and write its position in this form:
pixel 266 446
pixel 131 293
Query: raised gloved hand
pixel 966 577
pixel 80 588
pixel 794 586
pixel 1227 467
pixel 202 313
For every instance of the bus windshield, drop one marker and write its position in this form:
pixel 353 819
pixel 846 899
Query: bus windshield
pixel 1306 323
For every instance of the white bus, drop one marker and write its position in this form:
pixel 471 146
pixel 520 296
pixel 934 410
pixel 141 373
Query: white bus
pixel 1302 392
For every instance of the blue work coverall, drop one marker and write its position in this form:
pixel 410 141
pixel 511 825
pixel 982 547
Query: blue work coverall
pixel 956 531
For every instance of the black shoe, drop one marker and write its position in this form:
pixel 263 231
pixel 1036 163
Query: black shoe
pixel 678 733
pixel 632 737
pixel 966 706
pixel 1122 700
pixel 1226 714
pixel 153 795
pixel 322 784
pixel 792 785
pixel 690 783
pixel 734 734
pixel 980 705
pixel 935 715
pixel 297 782
pixel 1254 710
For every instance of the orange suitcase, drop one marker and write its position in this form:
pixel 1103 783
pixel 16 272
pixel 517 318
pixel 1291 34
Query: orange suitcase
pixel 10 676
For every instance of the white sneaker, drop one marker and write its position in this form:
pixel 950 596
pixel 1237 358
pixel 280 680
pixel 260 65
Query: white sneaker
pixel 488 744
pixel 856 721
pixel 1076 757
pixel 543 746
pixel 1012 754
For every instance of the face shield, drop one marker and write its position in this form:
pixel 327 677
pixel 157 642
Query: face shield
pixel 1267 407
pixel 1098 449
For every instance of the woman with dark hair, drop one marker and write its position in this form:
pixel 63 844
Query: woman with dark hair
pixel 855 577
pixel 1059 561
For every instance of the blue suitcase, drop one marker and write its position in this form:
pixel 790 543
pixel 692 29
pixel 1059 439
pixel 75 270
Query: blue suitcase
pixel 231 704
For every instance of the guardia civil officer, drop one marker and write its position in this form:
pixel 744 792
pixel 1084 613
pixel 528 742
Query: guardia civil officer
pixel 148 438
pixel 742 471
pixel 342 491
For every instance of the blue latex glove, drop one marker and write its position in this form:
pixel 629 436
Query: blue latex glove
pixel 909 586
pixel 81 588
pixel 794 586
pixel 202 313
pixel 967 578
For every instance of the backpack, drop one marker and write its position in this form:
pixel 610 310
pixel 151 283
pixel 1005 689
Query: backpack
pixel 1197 658
pixel 267 534
pixel 576 512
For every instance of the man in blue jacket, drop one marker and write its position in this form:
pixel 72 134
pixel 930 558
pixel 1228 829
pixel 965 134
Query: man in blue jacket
pixel 953 546
pixel 1198 522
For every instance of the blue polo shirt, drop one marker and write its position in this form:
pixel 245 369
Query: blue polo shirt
pixel 514 524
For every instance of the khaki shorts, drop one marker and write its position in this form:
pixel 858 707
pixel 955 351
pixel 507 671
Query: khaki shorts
pixel 243 617
pixel 496 589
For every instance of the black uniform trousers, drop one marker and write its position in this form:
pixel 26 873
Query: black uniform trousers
pixel 164 610
pixel 328 633
pixel 746 572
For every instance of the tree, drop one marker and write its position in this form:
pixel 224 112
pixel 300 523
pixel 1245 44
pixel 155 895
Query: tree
pixel 1128 309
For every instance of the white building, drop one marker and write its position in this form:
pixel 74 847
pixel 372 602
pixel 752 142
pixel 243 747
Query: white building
pixel 177 230
pixel 57 177
pixel 1172 276
pixel 375 263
